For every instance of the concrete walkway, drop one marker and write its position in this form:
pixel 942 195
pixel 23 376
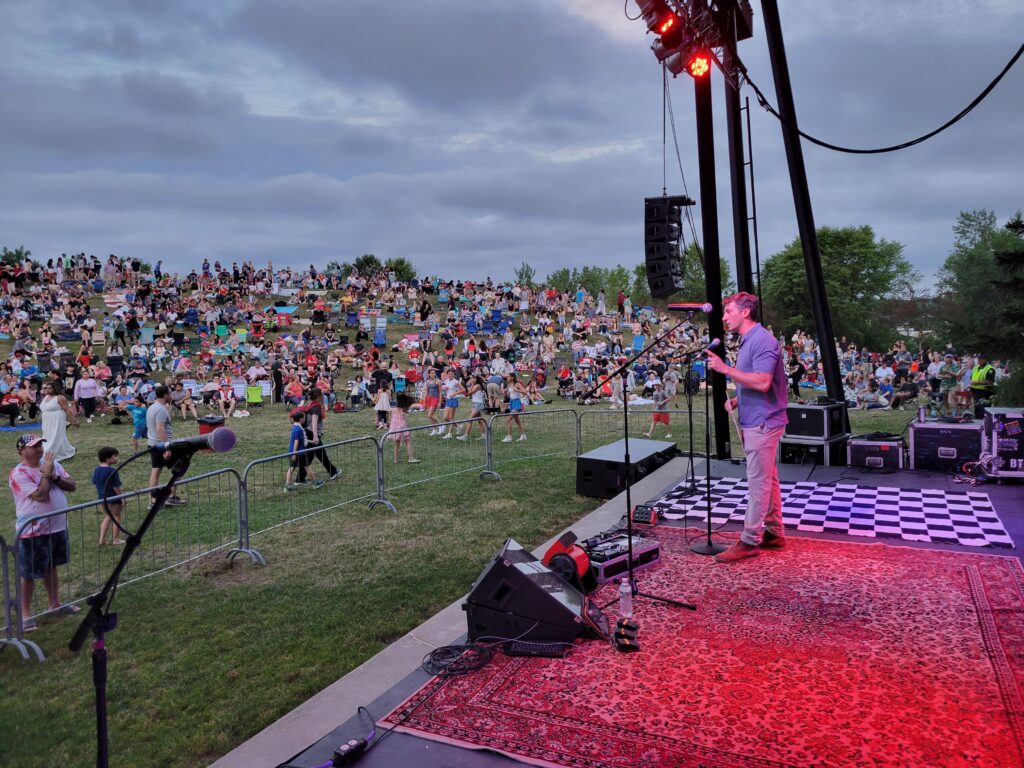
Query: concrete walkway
pixel 321 714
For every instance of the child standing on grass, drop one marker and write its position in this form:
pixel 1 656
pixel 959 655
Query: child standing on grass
pixel 108 484
pixel 139 431
pixel 298 460
pixel 398 428
pixel 382 405
pixel 660 413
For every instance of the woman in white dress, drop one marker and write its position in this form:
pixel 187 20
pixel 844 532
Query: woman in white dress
pixel 56 413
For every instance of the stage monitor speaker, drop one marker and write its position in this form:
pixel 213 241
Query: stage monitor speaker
pixel 517 597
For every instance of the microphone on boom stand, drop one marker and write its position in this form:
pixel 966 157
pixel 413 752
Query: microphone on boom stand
pixel 689 306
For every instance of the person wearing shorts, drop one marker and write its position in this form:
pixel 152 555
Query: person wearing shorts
pixel 452 387
pixel 432 400
pixel 516 392
pixel 158 430
pixel 660 413
pixel 38 483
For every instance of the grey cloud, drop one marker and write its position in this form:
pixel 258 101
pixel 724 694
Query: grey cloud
pixel 459 56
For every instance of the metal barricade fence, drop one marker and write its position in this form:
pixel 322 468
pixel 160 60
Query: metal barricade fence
pixel 601 427
pixel 14 632
pixel 460 448
pixel 268 502
pixel 207 521
pixel 551 432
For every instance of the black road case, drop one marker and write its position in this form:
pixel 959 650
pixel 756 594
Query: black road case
pixel 944 446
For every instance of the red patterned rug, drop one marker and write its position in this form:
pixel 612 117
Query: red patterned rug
pixel 822 654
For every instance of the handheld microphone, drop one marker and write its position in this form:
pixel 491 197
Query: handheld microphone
pixel 713 344
pixel 220 440
pixel 689 306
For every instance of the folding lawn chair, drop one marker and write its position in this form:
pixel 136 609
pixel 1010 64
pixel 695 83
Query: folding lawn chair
pixel 253 396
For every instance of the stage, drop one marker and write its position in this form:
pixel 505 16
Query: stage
pixel 315 729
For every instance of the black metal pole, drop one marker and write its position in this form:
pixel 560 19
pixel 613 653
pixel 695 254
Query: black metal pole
pixel 712 254
pixel 623 371
pixel 99 620
pixel 707 547
pixel 802 200
pixel 737 169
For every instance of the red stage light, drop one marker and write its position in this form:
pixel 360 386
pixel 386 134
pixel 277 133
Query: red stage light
pixel 699 65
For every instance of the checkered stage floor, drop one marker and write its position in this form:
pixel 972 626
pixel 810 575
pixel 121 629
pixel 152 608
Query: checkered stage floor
pixel 945 517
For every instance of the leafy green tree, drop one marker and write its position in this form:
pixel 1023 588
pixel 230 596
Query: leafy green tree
pixel 617 278
pixel 592 278
pixel 860 273
pixel 639 292
pixel 402 267
pixel 368 265
pixel 562 279
pixel 694 285
pixel 16 256
pixel 966 282
pixel 526 274
pixel 1008 290
pixel 333 266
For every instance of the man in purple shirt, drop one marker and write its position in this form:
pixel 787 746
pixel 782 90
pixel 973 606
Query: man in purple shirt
pixel 761 397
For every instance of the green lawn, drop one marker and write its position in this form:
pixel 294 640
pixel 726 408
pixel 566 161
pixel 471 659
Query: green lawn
pixel 209 654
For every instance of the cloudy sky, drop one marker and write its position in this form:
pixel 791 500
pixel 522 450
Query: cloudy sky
pixel 470 136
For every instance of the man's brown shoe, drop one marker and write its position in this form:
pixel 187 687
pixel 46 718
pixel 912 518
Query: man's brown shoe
pixel 738 551
pixel 772 541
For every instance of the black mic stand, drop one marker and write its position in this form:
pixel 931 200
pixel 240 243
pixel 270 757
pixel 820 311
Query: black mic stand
pixel 99 620
pixel 707 547
pixel 690 488
pixel 623 372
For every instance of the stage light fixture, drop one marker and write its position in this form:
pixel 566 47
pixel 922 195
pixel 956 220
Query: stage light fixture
pixel 692 58
pixel 699 65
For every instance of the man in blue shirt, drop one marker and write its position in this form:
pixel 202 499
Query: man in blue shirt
pixel 760 378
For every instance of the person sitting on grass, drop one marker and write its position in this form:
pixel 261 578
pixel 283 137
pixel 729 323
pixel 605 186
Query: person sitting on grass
pixel 398 427
pixel 870 399
pixel 181 399
pixel 225 398
pixel 108 484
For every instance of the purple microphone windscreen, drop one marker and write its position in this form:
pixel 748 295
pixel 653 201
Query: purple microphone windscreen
pixel 714 343
pixel 222 439
pixel 689 306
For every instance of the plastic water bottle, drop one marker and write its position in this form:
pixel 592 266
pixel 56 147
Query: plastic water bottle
pixel 921 414
pixel 625 598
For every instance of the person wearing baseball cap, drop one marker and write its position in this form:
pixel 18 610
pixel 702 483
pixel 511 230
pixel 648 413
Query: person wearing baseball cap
pixel 38 483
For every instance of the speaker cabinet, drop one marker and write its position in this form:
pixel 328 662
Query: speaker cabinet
pixel 518 597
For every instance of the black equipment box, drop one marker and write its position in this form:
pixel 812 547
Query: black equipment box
pixel 944 446
pixel 818 421
pixel 805 450
pixel 875 453
pixel 602 472
pixel 1004 440
pixel 608 559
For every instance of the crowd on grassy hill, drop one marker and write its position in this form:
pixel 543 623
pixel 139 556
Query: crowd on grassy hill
pixel 101 335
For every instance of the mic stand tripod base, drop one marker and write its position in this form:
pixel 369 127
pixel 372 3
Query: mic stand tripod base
pixel 688 488
pixel 707 548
